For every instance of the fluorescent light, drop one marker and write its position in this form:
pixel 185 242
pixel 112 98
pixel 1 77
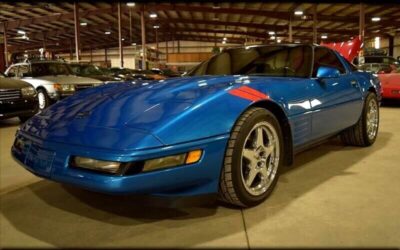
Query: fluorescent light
pixel 324 37
pixel 83 24
pixel 375 19
pixel 21 32
pixel 298 12
pixel 223 42
pixel 271 33
pixel 153 15
pixel 156 26
pixel 131 4
pixel 272 37
pixel 123 39
pixel 279 41
pixel 216 7
pixel 107 32
pixel 224 39
pixel 297 41
pixel 215 19
pixel 133 44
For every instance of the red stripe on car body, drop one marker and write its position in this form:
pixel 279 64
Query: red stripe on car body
pixel 253 92
pixel 244 95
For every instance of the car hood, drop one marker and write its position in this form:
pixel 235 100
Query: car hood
pixel 144 114
pixel 69 79
pixel 392 79
pixel 7 83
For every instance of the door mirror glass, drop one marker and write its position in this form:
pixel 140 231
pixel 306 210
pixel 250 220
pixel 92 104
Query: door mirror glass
pixel 327 72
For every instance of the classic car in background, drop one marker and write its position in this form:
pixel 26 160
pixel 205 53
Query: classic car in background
pixel 226 129
pixel 166 72
pixel 53 80
pixel 129 74
pixel 92 71
pixel 17 99
pixel 389 76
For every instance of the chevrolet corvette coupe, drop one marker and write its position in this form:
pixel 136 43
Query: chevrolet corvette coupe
pixel 226 128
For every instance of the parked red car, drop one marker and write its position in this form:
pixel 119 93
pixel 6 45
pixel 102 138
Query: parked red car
pixel 390 83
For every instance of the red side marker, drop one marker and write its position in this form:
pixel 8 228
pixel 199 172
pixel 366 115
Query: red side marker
pixel 248 93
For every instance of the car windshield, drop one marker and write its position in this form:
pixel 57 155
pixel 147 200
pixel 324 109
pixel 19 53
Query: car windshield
pixel 50 69
pixel 280 61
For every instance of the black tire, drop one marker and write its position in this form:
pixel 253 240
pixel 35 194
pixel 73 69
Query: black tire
pixel 231 188
pixel 357 135
pixel 46 99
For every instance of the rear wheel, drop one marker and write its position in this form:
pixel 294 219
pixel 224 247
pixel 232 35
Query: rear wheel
pixel 364 132
pixel 252 159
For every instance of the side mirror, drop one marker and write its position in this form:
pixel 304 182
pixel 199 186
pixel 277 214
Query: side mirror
pixel 327 72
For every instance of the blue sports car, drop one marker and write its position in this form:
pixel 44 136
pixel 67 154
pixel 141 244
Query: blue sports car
pixel 226 128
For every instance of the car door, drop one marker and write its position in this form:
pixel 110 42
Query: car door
pixel 338 101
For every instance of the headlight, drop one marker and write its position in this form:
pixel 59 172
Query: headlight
pixel 28 91
pixel 93 164
pixel 64 87
pixel 172 161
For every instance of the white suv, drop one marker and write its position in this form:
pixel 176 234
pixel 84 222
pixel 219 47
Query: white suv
pixel 53 80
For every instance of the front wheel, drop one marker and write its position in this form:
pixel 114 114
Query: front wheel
pixel 252 159
pixel 43 98
pixel 365 131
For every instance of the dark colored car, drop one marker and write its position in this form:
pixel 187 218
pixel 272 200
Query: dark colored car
pixel 92 71
pixel 17 98
pixel 166 72
pixel 129 74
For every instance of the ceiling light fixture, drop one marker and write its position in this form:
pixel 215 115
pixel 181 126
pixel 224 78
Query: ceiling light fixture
pixel 107 32
pixel 279 41
pixel 272 37
pixel 156 26
pixel 133 44
pixel 375 19
pixel 271 33
pixel 224 39
pixel 324 36
pixel 83 24
pixel 21 32
pixel 223 42
pixel 153 15
pixel 131 4
pixel 298 12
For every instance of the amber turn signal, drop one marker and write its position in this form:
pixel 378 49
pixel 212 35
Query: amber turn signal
pixel 194 156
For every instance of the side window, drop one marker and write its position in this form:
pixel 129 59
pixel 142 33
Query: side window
pixel 23 70
pixel 325 57
pixel 12 72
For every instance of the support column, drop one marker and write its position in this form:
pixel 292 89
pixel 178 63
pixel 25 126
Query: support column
pixel 166 49
pixel 315 23
pixel 44 40
pixel 290 29
pixel 105 56
pixel 121 52
pixel 5 44
pixel 91 54
pixel 362 23
pixel 179 46
pixel 143 40
pixel 391 44
pixel 157 45
pixel 77 30
pixel 130 27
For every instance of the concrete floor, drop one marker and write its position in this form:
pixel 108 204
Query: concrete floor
pixel 334 196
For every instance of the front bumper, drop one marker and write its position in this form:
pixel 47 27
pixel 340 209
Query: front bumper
pixel 19 107
pixel 51 161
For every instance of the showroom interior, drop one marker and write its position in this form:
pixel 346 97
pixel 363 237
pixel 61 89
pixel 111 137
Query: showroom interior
pixel 332 195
